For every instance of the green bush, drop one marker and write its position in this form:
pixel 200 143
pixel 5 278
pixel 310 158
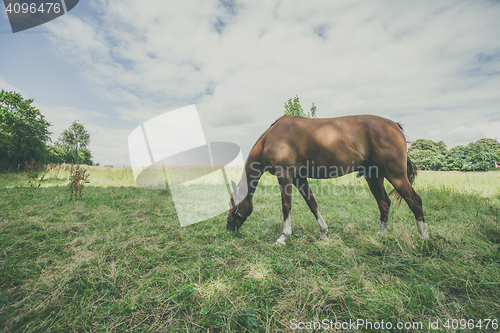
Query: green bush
pixel 23 129
pixel 77 179
pixel 481 155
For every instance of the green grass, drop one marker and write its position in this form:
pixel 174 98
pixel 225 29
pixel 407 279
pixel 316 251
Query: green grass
pixel 117 260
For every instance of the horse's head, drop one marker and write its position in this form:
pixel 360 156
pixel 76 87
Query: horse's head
pixel 239 211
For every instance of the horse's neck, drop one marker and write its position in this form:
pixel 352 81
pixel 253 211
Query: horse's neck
pixel 253 172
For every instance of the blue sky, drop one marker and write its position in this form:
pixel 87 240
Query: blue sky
pixel 433 66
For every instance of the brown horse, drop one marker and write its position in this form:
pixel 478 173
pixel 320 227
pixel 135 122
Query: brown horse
pixel 296 148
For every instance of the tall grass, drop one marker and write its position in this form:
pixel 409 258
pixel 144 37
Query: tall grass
pixel 117 260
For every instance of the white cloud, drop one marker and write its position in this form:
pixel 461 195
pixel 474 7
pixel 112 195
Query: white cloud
pixel 467 133
pixel 493 130
pixel 434 66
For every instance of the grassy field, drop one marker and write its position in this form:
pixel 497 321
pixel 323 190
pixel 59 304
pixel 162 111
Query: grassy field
pixel 116 259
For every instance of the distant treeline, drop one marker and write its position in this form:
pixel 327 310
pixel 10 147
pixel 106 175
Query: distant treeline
pixel 482 155
pixel 24 136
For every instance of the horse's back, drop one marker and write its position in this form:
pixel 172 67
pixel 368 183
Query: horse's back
pixel 362 131
pixel 343 141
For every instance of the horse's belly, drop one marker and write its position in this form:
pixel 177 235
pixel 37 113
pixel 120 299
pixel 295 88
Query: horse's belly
pixel 312 170
pixel 330 171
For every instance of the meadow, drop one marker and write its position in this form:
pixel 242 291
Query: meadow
pixel 116 259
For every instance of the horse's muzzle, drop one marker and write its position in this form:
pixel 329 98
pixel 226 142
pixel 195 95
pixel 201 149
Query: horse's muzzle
pixel 231 226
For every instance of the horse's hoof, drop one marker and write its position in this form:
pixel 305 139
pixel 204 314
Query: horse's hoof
pixel 424 236
pixel 381 234
pixel 278 244
pixel 324 238
pixel 422 230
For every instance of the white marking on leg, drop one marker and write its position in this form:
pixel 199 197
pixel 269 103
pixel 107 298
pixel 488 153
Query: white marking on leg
pixel 382 229
pixel 287 231
pixel 323 228
pixel 422 230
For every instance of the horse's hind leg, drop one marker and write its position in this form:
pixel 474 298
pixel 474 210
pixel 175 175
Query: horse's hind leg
pixel 376 186
pixel 303 186
pixel 406 191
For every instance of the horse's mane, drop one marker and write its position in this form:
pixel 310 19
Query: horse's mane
pixel 260 137
pixel 258 140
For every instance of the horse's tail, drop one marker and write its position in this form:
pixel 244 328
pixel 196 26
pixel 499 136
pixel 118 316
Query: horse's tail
pixel 411 173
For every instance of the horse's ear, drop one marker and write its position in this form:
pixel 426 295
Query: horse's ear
pixel 233 185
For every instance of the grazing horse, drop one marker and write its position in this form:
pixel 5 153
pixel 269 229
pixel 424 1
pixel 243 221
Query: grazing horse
pixel 296 148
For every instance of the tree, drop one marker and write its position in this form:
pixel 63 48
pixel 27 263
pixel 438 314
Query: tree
pixel 313 111
pixel 481 156
pixel 57 155
pixel 476 156
pixel 292 107
pixel 23 130
pixel 491 143
pixel 456 158
pixel 427 159
pixel 74 142
pixel 428 155
pixel 425 144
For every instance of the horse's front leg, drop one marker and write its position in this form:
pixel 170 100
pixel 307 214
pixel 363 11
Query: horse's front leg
pixel 303 186
pixel 286 185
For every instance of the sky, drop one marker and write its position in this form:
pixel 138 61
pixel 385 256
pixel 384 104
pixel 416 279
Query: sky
pixel 433 66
